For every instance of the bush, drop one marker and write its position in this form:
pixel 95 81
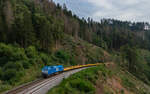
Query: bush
pixel 82 85
pixel 127 83
pixel 31 52
pixel 18 54
pixel 9 53
pixel 1 72
pixel 62 55
pixel 46 59
pixel 14 65
pixel 9 74
pixel 26 65
pixel 4 87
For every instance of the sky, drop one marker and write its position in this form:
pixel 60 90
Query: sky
pixel 125 10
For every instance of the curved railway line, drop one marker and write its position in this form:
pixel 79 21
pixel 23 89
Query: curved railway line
pixel 41 86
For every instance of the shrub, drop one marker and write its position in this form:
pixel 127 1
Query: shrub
pixel 1 72
pixel 127 83
pixel 62 55
pixel 82 85
pixel 9 53
pixel 46 59
pixel 18 54
pixel 9 74
pixel 26 65
pixel 13 65
pixel 4 87
pixel 31 52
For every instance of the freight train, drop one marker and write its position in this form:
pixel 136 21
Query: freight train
pixel 50 70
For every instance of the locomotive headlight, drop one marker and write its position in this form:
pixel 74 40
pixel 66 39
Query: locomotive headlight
pixel 45 71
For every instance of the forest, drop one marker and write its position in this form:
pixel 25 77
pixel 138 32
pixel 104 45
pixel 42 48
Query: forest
pixel 42 23
pixel 31 29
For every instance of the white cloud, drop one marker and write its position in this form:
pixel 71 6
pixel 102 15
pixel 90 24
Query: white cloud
pixel 129 16
pixel 132 15
pixel 131 10
pixel 101 3
pixel 128 2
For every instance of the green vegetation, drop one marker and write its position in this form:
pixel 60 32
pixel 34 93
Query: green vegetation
pixel 127 83
pixel 110 81
pixel 136 62
pixel 132 83
pixel 17 63
pixel 34 33
pixel 43 24
pixel 81 83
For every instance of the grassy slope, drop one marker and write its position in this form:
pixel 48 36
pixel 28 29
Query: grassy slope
pixel 101 80
pixel 83 51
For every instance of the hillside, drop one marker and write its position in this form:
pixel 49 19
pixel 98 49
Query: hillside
pixel 35 33
pixel 109 79
pixel 17 63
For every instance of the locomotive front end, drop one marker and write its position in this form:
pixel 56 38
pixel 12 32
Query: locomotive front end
pixel 45 72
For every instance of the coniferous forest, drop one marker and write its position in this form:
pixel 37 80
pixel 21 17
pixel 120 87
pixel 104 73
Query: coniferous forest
pixel 42 23
pixel 31 32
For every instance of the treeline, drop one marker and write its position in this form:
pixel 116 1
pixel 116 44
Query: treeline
pixel 26 22
pixel 42 23
pixel 113 34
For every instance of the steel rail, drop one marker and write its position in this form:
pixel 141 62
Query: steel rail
pixel 42 82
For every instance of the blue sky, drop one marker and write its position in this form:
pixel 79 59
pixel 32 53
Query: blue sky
pixel 126 10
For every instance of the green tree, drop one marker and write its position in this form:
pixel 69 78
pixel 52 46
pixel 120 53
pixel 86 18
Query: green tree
pixel 43 31
pixel 131 55
pixel 23 28
pixel 57 31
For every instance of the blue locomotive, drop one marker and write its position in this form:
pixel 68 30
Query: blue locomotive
pixel 49 70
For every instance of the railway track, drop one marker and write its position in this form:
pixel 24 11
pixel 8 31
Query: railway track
pixel 22 87
pixel 41 86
